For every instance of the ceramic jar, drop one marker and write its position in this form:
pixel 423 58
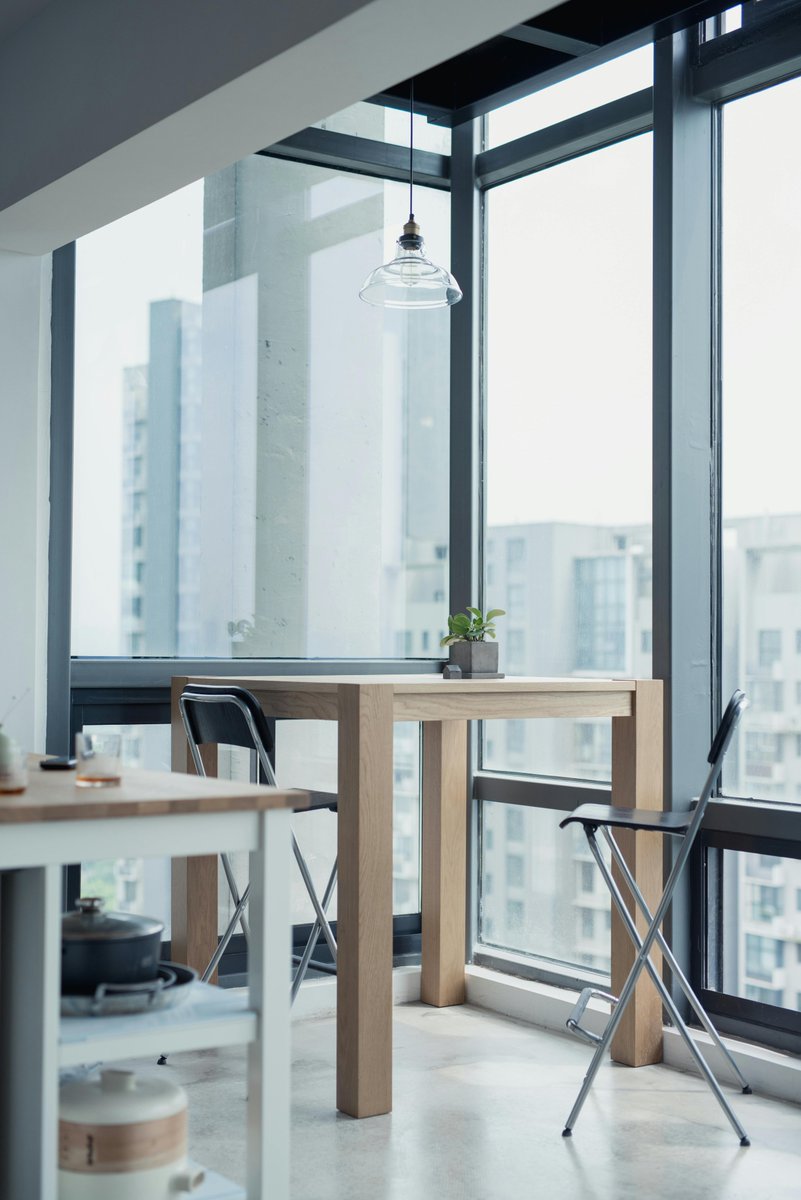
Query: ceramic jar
pixel 123 1135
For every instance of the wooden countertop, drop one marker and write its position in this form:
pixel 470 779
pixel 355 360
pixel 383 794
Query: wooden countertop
pixel 420 684
pixel 54 796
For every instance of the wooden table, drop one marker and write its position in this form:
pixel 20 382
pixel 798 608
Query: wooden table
pixel 149 814
pixel 365 708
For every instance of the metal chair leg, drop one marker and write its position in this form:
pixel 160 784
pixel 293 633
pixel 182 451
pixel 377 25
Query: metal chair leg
pixel 222 945
pixel 679 975
pixel 234 890
pixel 641 960
pixel 314 936
pixel 307 879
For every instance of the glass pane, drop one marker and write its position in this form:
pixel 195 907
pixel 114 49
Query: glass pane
pixel 388 125
pixel 306 757
pixel 761 434
pixel 568 537
pixel 761 920
pixel 541 891
pixel 732 18
pixel 589 89
pixel 139 885
pixel 259 455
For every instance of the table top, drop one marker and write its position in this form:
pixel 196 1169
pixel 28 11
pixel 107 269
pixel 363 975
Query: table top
pixel 54 796
pixel 433 698
pixel 420 684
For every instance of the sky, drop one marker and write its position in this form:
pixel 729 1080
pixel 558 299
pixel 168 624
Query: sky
pixel 568 324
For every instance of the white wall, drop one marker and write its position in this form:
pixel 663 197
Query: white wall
pixel 24 484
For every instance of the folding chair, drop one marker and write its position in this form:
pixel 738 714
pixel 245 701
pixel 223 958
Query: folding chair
pixel 593 817
pixel 232 716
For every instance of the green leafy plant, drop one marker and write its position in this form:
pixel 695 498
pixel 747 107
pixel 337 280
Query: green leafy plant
pixel 472 626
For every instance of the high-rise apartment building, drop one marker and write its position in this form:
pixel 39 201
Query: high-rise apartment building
pixel 578 601
pixel 161 539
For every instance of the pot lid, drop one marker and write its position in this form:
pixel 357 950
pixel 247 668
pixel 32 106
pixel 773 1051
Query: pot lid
pixel 89 922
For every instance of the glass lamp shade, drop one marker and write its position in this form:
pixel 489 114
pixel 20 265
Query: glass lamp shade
pixel 411 280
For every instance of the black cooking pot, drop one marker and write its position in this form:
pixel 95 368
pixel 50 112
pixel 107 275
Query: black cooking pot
pixel 99 947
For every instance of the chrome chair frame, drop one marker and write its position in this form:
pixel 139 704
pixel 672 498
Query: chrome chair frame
pixel 259 759
pixel 686 825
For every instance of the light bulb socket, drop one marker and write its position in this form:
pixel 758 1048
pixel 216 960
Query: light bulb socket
pixel 410 239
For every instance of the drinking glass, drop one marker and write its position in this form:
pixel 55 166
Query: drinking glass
pixel 99 758
pixel 13 766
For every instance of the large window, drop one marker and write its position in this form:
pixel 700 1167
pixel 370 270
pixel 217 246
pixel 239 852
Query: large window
pixel 568 538
pixel 258 466
pixel 758 902
pixel 761 269
pixel 753 949
pixel 572 96
pixel 568 506
pixel 537 893
pixel 260 463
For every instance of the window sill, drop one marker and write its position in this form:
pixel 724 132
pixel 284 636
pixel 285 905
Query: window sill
pixel 769 1072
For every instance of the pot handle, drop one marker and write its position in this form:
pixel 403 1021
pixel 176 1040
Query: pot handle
pixel 150 988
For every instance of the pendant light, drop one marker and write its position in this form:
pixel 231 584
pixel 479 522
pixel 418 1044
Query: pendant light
pixel 411 280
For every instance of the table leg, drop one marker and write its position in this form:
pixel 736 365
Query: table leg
pixel 30 984
pixel 364 901
pixel 194 933
pixel 444 861
pixel 269 1059
pixel 637 743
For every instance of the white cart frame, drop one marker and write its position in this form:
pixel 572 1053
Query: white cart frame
pixel 31 857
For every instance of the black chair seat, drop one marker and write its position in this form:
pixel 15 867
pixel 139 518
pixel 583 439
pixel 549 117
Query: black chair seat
pixel 318 800
pixel 629 818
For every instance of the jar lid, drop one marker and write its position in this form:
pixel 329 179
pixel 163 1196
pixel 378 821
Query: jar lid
pixel 121 1098
pixel 89 922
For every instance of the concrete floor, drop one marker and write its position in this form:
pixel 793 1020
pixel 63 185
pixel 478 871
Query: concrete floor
pixel 479 1105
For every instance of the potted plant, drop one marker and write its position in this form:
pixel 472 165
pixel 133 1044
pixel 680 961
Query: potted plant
pixel 470 651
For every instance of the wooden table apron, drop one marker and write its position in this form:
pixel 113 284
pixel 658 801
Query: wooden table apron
pixel 365 708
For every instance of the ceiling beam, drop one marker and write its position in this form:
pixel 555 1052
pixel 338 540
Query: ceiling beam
pixel 587 132
pixel 106 106
pixel 549 41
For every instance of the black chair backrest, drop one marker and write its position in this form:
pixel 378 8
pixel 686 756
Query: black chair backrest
pixel 730 718
pixel 224 723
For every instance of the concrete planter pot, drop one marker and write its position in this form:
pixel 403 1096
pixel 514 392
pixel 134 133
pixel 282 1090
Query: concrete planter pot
pixel 476 660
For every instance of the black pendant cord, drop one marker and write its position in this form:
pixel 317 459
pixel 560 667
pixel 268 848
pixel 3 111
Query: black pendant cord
pixel 411 148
